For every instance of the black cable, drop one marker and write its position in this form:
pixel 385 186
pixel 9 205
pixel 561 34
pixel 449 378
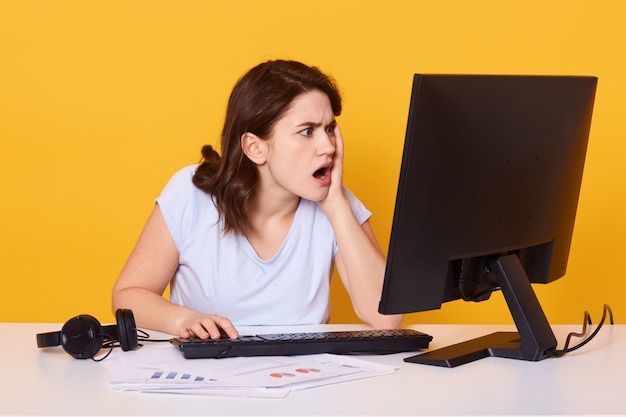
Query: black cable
pixel 476 274
pixel 587 319
pixel 143 336
pixel 110 343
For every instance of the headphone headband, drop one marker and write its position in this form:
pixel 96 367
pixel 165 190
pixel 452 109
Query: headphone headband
pixel 48 339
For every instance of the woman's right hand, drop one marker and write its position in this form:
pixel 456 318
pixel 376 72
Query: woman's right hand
pixel 207 326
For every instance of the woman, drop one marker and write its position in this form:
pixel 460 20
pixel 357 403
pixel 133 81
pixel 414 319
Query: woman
pixel 251 237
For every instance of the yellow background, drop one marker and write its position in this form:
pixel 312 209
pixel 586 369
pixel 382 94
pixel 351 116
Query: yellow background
pixel 101 101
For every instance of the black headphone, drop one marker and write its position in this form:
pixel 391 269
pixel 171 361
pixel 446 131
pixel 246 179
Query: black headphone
pixel 83 336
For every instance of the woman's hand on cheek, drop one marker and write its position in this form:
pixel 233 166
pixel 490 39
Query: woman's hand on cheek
pixel 335 190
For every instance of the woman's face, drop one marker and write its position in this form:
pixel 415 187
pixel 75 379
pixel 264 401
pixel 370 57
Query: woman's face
pixel 301 147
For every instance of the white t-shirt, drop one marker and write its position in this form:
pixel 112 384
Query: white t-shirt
pixel 222 274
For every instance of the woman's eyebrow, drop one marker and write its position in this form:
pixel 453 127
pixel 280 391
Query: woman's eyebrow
pixel 333 123
pixel 309 124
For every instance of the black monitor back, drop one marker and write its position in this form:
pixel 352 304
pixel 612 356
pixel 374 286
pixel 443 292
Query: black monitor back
pixel 491 165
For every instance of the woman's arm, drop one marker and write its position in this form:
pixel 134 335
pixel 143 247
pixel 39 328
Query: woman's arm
pixel 148 271
pixel 361 266
pixel 359 260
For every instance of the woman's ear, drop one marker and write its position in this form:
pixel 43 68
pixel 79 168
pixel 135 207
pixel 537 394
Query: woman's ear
pixel 254 147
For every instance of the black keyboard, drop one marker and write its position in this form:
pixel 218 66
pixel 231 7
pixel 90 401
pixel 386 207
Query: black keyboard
pixel 285 344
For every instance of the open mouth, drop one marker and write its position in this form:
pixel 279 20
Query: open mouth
pixel 321 173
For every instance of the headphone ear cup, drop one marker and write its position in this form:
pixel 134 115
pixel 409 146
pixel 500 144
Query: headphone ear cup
pixel 82 336
pixel 126 329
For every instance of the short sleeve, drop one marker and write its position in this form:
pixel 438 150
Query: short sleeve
pixel 177 203
pixel 361 213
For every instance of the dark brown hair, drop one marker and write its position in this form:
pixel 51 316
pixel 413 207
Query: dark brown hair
pixel 257 102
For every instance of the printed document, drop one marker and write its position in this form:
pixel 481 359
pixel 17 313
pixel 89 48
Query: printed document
pixel 162 368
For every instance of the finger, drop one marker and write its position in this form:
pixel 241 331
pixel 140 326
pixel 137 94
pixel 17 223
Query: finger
pixel 337 171
pixel 201 331
pixel 339 145
pixel 226 327
pixel 211 327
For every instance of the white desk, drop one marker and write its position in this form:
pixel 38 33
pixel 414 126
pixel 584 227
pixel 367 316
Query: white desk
pixel 589 381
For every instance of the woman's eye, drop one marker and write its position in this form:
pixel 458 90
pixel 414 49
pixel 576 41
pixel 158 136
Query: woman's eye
pixel 330 129
pixel 307 132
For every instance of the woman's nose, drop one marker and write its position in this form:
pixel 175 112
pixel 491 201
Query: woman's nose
pixel 327 143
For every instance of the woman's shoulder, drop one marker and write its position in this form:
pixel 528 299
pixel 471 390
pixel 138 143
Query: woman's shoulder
pixel 181 180
pixel 181 190
pixel 184 175
pixel 186 209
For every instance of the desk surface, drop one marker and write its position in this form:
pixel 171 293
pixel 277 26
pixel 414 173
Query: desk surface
pixel 588 381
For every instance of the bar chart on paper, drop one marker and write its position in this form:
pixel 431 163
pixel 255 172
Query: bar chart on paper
pixel 173 376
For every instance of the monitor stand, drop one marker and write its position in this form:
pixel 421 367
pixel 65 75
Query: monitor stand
pixel 532 340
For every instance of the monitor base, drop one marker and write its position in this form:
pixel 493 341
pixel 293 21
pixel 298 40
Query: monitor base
pixel 500 344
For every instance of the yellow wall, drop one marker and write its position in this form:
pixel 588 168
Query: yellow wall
pixel 101 101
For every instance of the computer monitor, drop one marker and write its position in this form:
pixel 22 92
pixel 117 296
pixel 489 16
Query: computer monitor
pixel 486 200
